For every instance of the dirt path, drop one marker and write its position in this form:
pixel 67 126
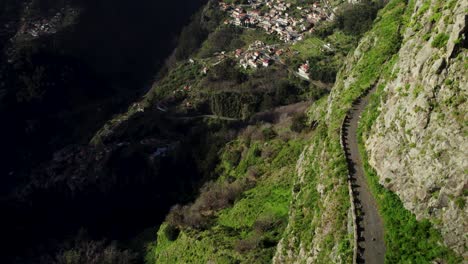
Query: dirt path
pixel 205 116
pixel 370 225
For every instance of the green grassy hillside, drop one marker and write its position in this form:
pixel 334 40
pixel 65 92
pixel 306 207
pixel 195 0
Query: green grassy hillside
pixel 293 206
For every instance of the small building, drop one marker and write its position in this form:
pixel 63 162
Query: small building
pixel 243 64
pixel 252 63
pixel 303 71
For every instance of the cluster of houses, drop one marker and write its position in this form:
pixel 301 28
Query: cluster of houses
pixel 261 55
pixel 289 22
pixel 46 26
pixel 258 55
pixel 41 27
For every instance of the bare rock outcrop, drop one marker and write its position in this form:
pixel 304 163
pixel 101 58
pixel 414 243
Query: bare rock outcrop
pixel 418 144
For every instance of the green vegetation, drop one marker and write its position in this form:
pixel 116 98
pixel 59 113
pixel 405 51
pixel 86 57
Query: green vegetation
pixel 355 19
pixel 407 240
pixel 324 53
pixel 332 41
pixel 325 162
pixel 241 216
pixel 181 75
pixel 194 34
pixel 228 38
pixel 225 38
pixel 440 40
pixel 251 35
pixel 231 226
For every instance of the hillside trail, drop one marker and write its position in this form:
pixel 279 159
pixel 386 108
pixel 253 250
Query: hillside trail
pixel 371 245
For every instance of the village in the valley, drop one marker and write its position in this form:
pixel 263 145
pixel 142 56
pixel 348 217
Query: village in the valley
pixel 290 22
pixel 47 25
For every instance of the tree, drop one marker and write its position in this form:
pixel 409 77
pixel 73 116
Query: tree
pixel 355 19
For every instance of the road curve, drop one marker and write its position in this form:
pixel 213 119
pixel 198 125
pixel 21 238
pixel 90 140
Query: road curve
pixel 371 245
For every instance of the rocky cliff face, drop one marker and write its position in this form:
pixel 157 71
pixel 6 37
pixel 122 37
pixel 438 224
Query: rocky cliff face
pixel 320 225
pixel 418 145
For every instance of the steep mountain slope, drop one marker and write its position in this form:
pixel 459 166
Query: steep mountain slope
pixel 320 228
pixel 311 237
pixel 320 221
pixel 418 144
pixel 258 178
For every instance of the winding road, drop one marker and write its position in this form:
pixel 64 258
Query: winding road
pixel 371 246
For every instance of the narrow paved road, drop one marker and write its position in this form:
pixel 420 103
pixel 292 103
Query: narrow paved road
pixel 370 225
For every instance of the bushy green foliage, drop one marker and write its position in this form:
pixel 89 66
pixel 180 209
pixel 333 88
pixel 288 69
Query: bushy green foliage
pixel 324 53
pixel 214 196
pixel 181 75
pixel 225 38
pixel 226 72
pixel 299 122
pixel 440 40
pixel 190 39
pixel 248 230
pixel 235 94
pixel 194 34
pixel 357 18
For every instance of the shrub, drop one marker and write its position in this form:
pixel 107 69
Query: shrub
pixel 355 19
pixel 246 245
pixel 226 71
pixel 253 172
pixel 268 133
pixel 171 232
pixel 190 39
pixel 440 40
pixel 213 197
pixel 225 38
pixel 233 156
pixel 266 224
pixel 84 251
pixel 299 122
pixel 324 29
pixel 175 218
pixel 268 152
